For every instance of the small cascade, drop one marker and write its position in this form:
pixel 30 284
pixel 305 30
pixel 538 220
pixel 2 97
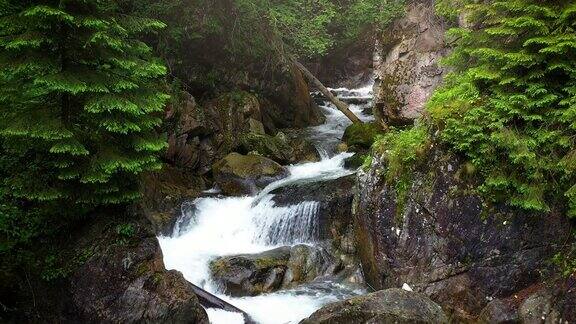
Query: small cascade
pixel 215 226
pixel 286 225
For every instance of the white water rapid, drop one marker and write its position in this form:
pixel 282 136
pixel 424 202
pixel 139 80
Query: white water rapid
pixel 217 226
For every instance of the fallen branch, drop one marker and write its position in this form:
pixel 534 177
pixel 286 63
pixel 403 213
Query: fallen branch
pixel 343 107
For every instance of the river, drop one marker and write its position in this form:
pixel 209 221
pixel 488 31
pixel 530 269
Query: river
pixel 218 226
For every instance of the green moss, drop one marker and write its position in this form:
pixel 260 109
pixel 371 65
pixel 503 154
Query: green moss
pixel 266 145
pixel 402 150
pixel 362 135
pixel 367 162
pixel 565 260
pixel 263 263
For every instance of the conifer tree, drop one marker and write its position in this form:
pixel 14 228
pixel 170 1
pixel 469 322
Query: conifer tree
pixel 79 101
pixel 510 103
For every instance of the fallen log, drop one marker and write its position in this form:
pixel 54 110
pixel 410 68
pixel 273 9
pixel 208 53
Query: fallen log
pixel 343 107
pixel 208 300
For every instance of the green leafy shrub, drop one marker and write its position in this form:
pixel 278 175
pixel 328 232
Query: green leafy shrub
pixel 510 103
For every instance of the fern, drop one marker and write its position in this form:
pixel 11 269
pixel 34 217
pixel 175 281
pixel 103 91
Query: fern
pixel 510 105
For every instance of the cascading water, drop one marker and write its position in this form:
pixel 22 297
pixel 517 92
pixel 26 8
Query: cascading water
pixel 218 226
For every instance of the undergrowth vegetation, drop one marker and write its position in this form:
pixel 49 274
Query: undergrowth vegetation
pixel 402 151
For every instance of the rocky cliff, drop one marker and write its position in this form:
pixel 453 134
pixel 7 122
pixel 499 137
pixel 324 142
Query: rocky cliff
pixel 442 239
pixel 408 70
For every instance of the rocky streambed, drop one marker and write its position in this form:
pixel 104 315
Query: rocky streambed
pixel 275 241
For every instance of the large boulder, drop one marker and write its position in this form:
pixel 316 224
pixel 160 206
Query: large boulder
pixel 304 150
pixel 385 306
pixel 283 267
pixel 360 137
pixel 408 72
pixel 238 174
pixel 441 238
pixel 553 301
pixel 124 279
pixel 276 147
pixel 164 192
pixel 286 100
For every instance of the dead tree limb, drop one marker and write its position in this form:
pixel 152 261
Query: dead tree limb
pixel 343 107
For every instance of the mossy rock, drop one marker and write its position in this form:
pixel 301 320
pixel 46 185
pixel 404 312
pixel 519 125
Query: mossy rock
pixel 238 174
pixel 272 147
pixel 355 161
pixel 361 136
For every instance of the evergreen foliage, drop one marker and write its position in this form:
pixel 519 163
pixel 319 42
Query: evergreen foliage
pixel 510 103
pixel 80 103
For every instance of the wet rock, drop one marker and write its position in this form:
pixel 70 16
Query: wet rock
pixel 307 263
pixel 499 312
pixel 283 267
pixel 408 72
pixel 163 194
pixel 360 137
pixel 303 150
pixel 385 306
pixel 238 174
pixel 273 147
pixel 124 281
pixel 355 161
pixel 335 198
pixel 251 274
pixel 442 240
pixel 342 147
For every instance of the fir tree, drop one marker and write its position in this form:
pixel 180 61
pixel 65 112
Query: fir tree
pixel 80 101
pixel 510 104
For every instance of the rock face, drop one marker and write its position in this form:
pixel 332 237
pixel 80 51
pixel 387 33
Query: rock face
pixel 239 174
pixel 385 306
pixel 335 211
pixel 124 281
pixel 283 267
pixel 286 101
pixel 200 134
pixel 443 242
pixel 163 194
pixel 408 73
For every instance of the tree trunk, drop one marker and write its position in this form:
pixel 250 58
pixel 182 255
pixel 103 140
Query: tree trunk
pixel 343 107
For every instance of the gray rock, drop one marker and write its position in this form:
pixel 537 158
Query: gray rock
pixel 125 282
pixel 385 306
pixel 444 242
pixel 499 312
pixel 536 309
pixel 283 267
pixel 409 71
pixel 238 174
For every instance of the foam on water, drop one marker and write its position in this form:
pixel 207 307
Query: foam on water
pixel 216 226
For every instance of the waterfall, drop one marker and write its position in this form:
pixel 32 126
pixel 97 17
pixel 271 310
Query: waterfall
pixel 215 226
pixel 286 225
